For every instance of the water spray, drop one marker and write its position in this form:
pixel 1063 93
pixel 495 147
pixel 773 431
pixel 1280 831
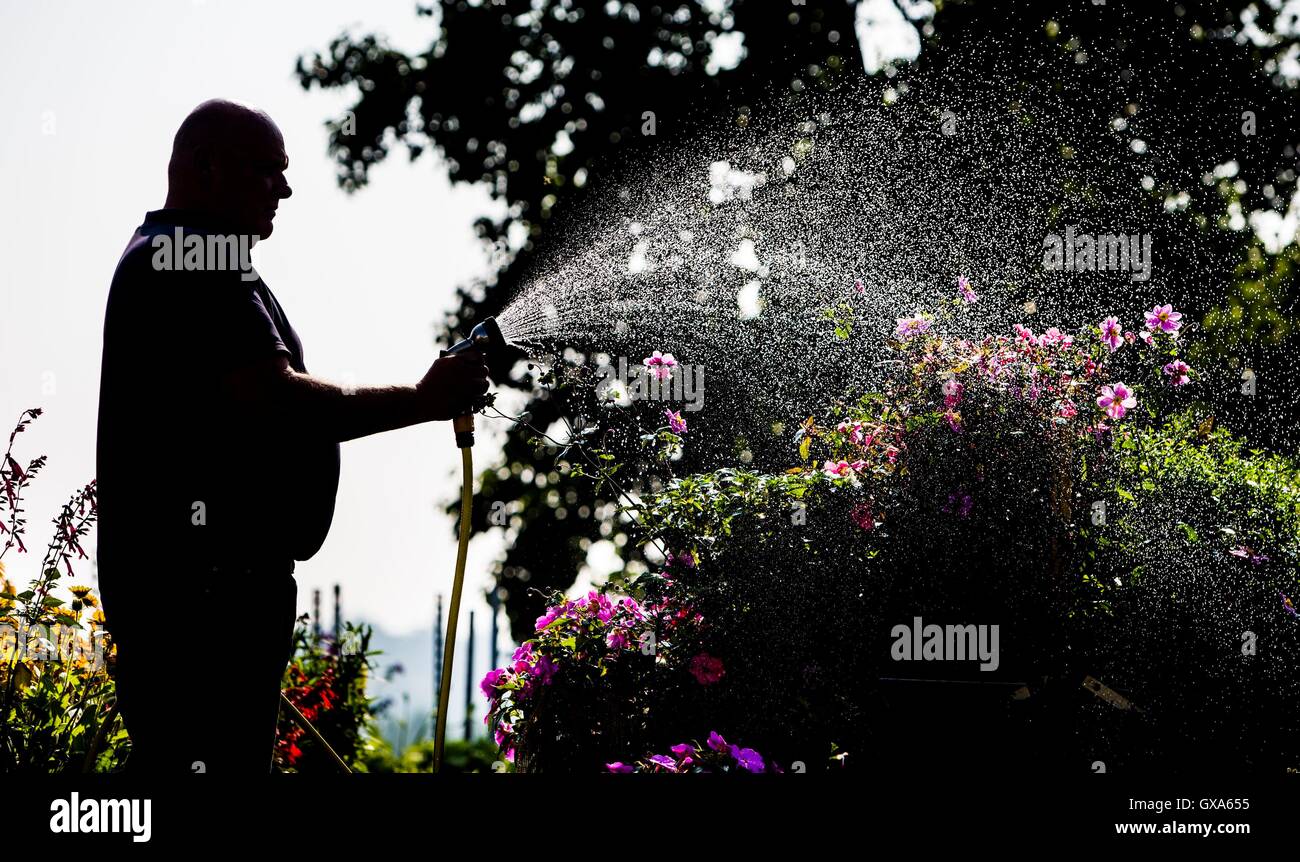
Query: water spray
pixel 485 337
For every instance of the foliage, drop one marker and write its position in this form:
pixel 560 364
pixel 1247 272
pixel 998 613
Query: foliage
pixel 57 712
pixel 911 499
pixel 549 103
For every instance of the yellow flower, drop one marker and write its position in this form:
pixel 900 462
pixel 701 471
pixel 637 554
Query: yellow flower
pixel 67 614
pixel 80 591
pixel 90 601
pixel 97 617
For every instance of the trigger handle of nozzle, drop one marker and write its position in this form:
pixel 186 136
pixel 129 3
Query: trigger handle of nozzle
pixel 463 424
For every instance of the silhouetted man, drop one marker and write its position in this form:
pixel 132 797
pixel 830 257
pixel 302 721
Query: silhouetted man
pixel 218 455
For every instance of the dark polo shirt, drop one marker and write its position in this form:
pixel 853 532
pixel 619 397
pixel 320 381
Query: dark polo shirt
pixel 183 478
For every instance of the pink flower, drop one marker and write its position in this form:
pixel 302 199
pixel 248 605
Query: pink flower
pixel 954 421
pixel 1116 399
pixel 660 365
pixel 1177 372
pixel 617 639
pixel 1111 333
pixel 952 390
pixel 616 766
pixel 676 422
pixel 854 430
pixel 706 669
pixel 963 287
pixel 840 469
pixel 1065 409
pixel 908 327
pixel 685 558
pixel 1024 333
pixel 858 287
pixel 716 742
pixel 1164 318
pixel 1147 338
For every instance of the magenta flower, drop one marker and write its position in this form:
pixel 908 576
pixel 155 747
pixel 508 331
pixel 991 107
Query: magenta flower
pixel 683 749
pixel 660 365
pixel 685 559
pixel 959 504
pixel 706 669
pixel 909 327
pixel 1247 553
pixel 863 517
pixel 618 767
pixel 545 669
pixel 523 658
pixel 952 390
pixel 716 742
pixel 854 430
pixel 663 760
pixel 676 422
pixel 858 287
pixel 1111 333
pixel 1024 333
pixel 1288 605
pixel 1065 409
pixel 1116 399
pixel 489 684
pixel 747 758
pixel 1177 372
pixel 963 287
pixel 617 639
pixel 1164 318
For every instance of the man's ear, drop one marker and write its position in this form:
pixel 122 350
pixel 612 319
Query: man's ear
pixel 201 159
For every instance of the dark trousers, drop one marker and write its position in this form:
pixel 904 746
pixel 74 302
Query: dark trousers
pixel 199 666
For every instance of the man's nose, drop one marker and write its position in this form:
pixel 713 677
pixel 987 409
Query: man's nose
pixel 284 191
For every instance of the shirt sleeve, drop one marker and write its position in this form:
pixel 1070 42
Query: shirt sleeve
pixel 239 328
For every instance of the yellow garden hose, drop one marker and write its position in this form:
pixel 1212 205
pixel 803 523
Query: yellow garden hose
pixel 464 427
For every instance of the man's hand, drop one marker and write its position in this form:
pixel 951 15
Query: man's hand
pixel 452 385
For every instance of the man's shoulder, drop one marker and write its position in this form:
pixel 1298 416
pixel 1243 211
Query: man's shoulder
pixel 154 266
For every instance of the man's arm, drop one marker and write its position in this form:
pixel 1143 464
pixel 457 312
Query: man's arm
pixel 447 389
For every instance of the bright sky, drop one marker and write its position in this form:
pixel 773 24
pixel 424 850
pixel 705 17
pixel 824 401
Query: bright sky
pixel 94 97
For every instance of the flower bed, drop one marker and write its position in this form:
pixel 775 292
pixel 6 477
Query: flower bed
pixel 1063 485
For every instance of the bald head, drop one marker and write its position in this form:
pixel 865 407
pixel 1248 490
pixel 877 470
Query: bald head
pixel 228 161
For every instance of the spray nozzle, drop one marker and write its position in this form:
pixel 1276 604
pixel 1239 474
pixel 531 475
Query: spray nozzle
pixel 486 336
